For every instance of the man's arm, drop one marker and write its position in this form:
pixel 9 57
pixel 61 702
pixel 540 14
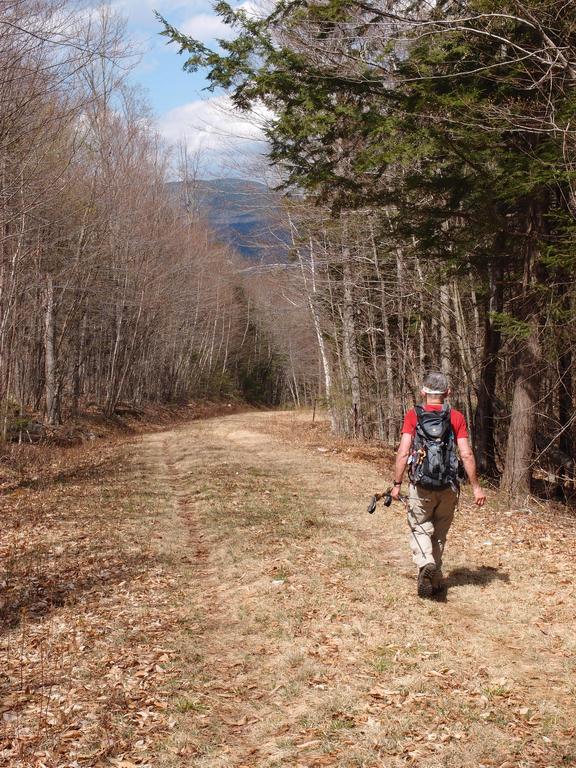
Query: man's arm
pixel 402 456
pixel 470 466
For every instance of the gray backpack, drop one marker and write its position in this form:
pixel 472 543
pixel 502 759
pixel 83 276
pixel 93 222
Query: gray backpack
pixel 434 463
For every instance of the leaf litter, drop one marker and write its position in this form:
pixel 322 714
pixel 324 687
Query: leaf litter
pixel 143 628
pixel 86 609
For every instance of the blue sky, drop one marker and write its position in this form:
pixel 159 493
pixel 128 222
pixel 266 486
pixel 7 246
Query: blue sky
pixel 221 138
pixel 160 71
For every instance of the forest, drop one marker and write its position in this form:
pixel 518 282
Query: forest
pixel 438 143
pixel 191 427
pixel 426 154
pixel 111 291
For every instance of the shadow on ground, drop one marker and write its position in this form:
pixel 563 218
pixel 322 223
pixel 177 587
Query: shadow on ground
pixel 484 574
pixel 480 577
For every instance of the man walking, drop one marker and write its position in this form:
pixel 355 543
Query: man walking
pixel 430 434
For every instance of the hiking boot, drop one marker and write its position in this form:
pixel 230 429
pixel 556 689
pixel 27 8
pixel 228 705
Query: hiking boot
pixel 439 592
pixel 425 577
pixel 438 584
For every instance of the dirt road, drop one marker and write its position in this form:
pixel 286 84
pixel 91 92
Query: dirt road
pixel 216 596
pixel 300 641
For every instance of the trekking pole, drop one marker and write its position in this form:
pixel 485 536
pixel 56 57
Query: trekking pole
pixel 386 496
pixel 387 502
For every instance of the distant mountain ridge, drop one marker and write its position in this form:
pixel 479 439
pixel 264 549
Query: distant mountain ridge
pixel 245 214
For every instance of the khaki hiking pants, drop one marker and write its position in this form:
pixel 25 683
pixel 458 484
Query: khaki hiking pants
pixel 430 515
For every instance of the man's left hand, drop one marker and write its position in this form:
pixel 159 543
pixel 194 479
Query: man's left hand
pixel 479 496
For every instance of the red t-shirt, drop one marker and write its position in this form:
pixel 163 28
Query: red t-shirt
pixel 456 419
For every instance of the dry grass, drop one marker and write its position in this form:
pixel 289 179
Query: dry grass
pixel 217 596
pixel 86 612
pixel 308 647
pixel 75 445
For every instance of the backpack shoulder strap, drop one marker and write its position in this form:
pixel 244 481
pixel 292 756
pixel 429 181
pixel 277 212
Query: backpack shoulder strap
pixel 447 413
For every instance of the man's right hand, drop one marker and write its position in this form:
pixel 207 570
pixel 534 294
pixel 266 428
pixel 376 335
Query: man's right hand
pixel 395 492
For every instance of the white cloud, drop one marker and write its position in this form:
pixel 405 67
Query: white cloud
pixel 223 140
pixel 141 12
pixel 214 130
pixel 206 27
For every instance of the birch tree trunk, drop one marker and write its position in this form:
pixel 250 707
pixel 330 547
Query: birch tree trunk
pixel 311 288
pixel 389 373
pixel 422 357
pixel 50 374
pixel 76 375
pixel 312 303
pixel 445 360
pixel 350 345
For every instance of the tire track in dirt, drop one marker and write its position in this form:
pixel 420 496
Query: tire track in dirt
pixel 235 724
